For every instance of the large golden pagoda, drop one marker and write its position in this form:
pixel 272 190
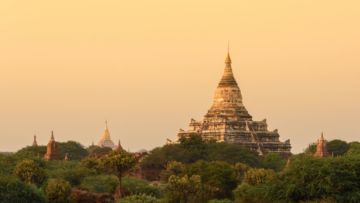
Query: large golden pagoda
pixel 105 140
pixel 229 121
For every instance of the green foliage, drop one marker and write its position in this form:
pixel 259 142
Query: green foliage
pixel 308 178
pixel 96 151
pixel 136 186
pixel 231 153
pixel 337 147
pixel 240 169
pixel 140 198
pixel 173 168
pixel 14 191
pixel 259 176
pixel 58 191
pixel 274 161
pixel 100 183
pixel 70 171
pixel 31 152
pixel 7 163
pixel 184 189
pixel 74 150
pixel 246 193
pixel 29 172
pixel 220 201
pixel 218 177
pixel 193 149
pixel 354 149
pixel 311 149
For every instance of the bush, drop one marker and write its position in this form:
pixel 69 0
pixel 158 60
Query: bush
pixel 136 186
pixel 246 193
pixel 29 171
pixel 70 171
pixel 220 201
pixel 58 191
pixel 100 183
pixel 259 176
pixel 14 191
pixel 141 198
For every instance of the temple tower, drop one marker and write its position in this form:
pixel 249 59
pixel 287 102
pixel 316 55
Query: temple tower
pixel 105 140
pixel 321 148
pixel 228 120
pixel 51 153
pixel 34 144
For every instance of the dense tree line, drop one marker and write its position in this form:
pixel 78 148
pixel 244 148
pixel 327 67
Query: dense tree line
pixel 190 171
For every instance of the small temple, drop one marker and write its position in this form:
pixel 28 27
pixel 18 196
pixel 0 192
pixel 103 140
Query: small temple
pixel 228 120
pixel 321 147
pixel 51 153
pixel 34 144
pixel 105 140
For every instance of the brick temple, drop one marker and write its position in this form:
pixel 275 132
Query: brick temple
pixel 228 120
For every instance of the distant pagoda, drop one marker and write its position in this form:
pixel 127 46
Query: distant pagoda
pixel 105 140
pixel 229 121
pixel 51 152
pixel 34 144
pixel 321 147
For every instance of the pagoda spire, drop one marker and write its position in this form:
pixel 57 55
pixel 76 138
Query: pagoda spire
pixel 228 78
pixel 35 142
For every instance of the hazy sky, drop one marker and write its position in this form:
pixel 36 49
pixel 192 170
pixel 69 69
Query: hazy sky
pixel 150 66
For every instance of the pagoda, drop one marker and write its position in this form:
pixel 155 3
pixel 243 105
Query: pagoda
pixel 51 153
pixel 228 120
pixel 321 148
pixel 105 140
pixel 34 144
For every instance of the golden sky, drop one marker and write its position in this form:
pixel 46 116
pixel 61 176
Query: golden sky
pixel 150 66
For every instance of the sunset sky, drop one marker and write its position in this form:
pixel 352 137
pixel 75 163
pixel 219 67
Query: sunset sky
pixel 148 67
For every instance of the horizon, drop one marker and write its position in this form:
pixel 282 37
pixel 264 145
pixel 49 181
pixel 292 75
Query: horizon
pixel 149 72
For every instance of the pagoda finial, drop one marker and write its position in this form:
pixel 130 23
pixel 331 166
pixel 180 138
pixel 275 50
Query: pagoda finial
pixel 52 135
pixel 106 124
pixel 228 59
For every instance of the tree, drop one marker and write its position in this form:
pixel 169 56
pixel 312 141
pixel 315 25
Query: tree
pixel 118 163
pixel 14 191
pixel 29 172
pixel 259 176
pixel 240 169
pixel 246 193
pixel 337 147
pixel 74 150
pixel 100 183
pixel 58 191
pixel 173 168
pixel 31 152
pixel 135 186
pixel 184 189
pixel 218 178
pixel 354 149
pixel 274 161
pixel 96 151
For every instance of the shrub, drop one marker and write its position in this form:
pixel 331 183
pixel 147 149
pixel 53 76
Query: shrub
pixel 100 183
pixel 58 191
pixel 29 171
pixel 14 191
pixel 138 186
pixel 140 198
